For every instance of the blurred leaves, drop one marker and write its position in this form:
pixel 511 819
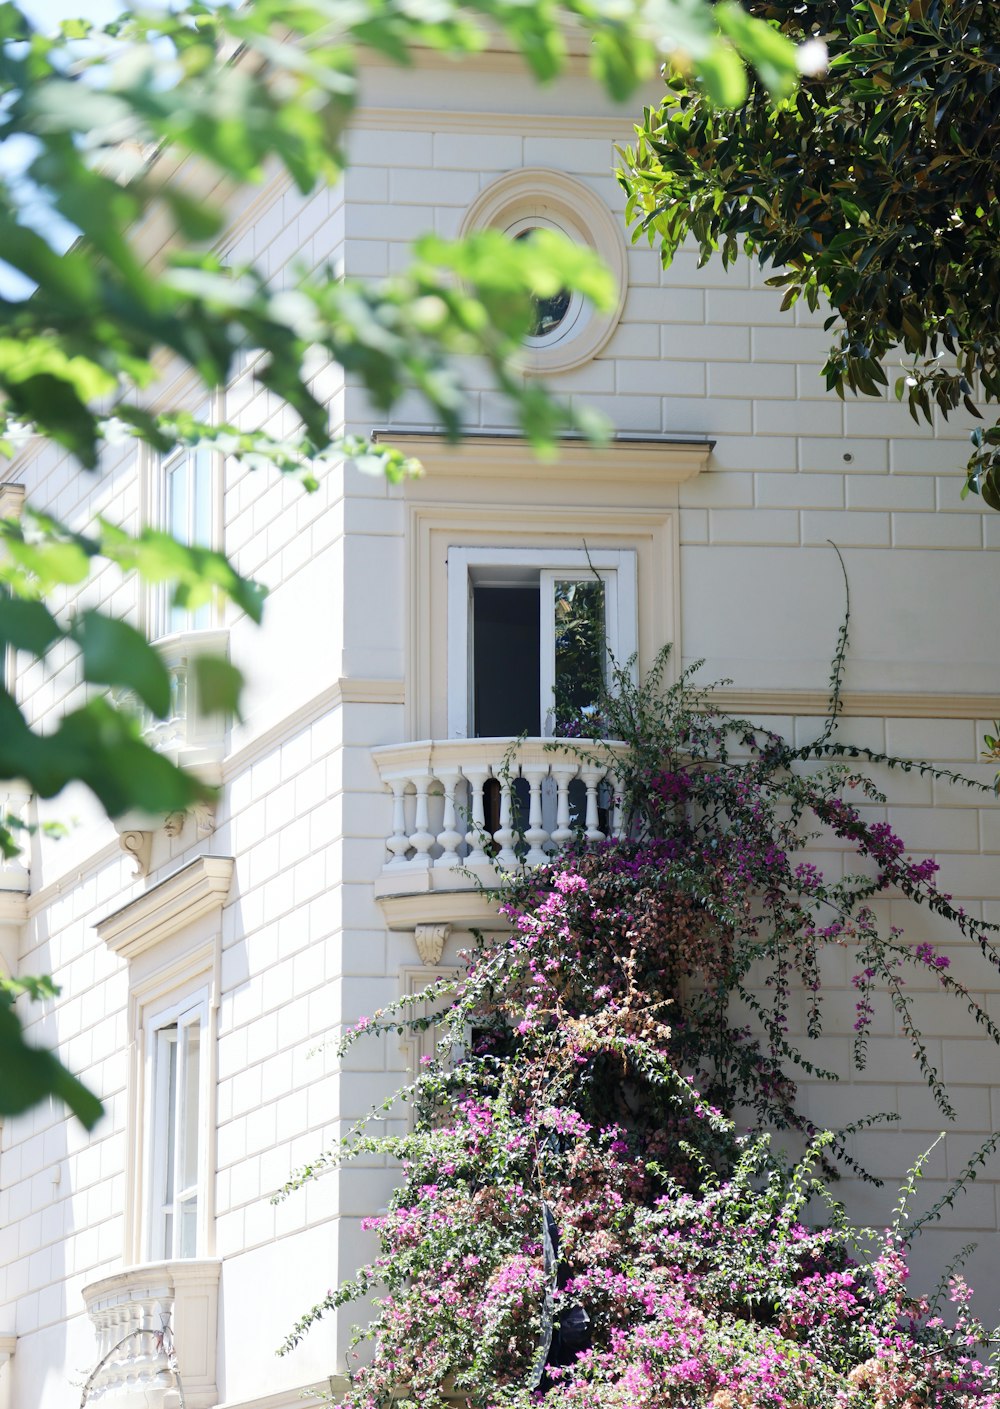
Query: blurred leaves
pixel 30 1074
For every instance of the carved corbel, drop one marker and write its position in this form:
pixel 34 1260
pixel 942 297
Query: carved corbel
pixel 139 845
pixel 430 941
pixel 204 818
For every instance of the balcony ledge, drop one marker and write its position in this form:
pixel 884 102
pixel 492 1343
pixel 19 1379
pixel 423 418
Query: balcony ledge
pixel 156 1324
pixel 468 813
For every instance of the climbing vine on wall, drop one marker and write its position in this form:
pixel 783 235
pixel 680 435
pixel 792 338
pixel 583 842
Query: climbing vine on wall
pixel 579 1222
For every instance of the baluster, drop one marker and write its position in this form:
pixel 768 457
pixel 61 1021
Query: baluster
pixel 449 839
pixel 591 777
pixel 505 836
pixel 564 773
pixel 476 835
pixel 423 838
pixel 399 842
pixel 616 808
pixel 535 834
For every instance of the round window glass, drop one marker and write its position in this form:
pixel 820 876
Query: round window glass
pixel 550 311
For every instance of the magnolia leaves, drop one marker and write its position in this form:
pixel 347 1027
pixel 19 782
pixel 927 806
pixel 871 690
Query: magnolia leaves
pixel 871 190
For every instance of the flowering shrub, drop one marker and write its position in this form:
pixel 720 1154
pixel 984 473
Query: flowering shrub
pixel 578 1222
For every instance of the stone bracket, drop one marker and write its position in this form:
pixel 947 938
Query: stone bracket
pixel 430 941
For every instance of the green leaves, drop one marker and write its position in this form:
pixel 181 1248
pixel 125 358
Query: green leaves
pixel 31 1074
pixel 872 188
pixel 218 684
pixel 114 653
pixel 27 626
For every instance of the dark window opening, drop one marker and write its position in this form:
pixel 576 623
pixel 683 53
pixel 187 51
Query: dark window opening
pixel 506 661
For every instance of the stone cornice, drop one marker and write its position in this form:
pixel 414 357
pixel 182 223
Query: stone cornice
pixel 195 890
pixel 337 1385
pixel 11 500
pixel 643 461
pixel 13 907
pixel 861 704
pixel 613 129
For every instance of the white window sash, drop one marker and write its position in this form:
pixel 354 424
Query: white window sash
pixel 167 1199
pixel 547 664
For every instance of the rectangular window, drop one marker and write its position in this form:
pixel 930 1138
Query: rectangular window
pixel 184 499
pixel 176 1155
pixel 189 490
pixel 531 636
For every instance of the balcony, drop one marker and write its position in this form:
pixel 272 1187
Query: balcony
pixel 190 736
pixel 156 1328
pixel 467 812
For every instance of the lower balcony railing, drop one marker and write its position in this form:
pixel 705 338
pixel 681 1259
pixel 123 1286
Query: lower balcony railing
pixel 472 809
pixel 156 1336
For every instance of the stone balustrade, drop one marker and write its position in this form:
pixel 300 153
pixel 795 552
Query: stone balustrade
pixel 468 809
pixel 156 1337
pixel 189 735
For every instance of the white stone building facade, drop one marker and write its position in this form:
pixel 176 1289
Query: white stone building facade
pixel 203 959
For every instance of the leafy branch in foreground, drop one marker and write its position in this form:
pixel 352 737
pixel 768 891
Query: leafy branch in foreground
pixel 111 112
pixel 871 190
pixel 100 741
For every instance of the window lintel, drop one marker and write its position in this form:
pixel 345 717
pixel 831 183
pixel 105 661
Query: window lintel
pixel 195 890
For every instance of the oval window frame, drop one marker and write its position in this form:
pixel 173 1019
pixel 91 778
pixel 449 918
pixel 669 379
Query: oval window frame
pixel 536 196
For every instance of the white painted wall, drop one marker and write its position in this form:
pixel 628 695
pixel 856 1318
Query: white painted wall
pixel 305 946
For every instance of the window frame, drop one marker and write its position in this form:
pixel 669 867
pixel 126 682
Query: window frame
pixel 163 622
pixel 191 1011
pixel 193 1008
pixel 617 568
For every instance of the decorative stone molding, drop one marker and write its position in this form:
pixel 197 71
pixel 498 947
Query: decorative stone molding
pixel 518 200
pixel 197 889
pixel 8 1344
pixel 156 1327
pixel 11 500
pixel 646 460
pixel 204 820
pixel 857 704
pixel 137 843
pixel 193 738
pixel 430 941
pixel 13 914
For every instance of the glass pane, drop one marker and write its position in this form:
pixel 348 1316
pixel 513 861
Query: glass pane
pixel 550 309
pixel 506 655
pixel 170 1116
pixel 189 1227
pixel 177 499
pixel 202 525
pixel 581 653
pixel 168 1236
pixel 189 1107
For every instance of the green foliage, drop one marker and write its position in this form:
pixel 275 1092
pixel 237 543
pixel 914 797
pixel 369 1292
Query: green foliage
pixel 237 87
pixel 30 1074
pixel 873 187
pixel 577 1222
